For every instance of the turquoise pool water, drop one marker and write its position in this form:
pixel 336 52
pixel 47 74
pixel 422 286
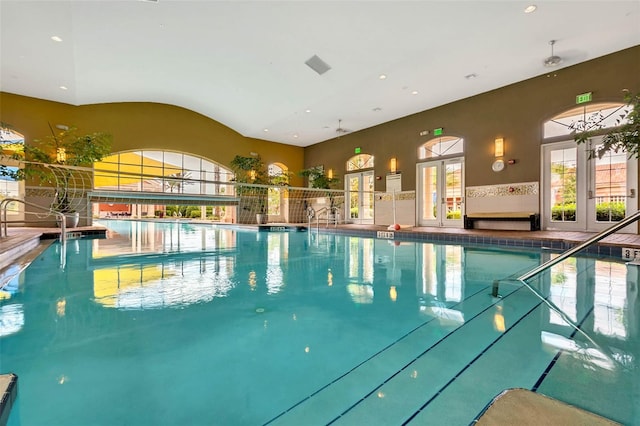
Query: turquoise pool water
pixel 176 324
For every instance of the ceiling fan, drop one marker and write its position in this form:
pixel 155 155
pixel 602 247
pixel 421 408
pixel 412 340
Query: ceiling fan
pixel 341 130
pixel 552 60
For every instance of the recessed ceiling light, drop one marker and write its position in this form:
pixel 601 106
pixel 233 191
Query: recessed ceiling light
pixel 307 111
pixel 471 76
pixel 531 8
pixel 295 136
pixel 56 38
pixel 382 76
pixel 415 92
pixel 266 130
pixel 63 87
pixel 377 109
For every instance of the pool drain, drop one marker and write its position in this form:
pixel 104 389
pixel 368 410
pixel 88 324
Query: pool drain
pixel 259 310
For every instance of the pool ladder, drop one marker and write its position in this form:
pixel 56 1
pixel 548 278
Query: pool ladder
pixel 4 221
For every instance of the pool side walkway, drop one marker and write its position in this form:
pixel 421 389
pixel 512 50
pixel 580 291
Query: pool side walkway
pixel 560 240
pixel 22 239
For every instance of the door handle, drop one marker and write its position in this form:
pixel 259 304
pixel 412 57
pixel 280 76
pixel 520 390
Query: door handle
pixel 632 193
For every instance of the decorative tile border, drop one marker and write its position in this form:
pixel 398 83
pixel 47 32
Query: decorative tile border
pixel 523 188
pixel 600 249
pixel 400 196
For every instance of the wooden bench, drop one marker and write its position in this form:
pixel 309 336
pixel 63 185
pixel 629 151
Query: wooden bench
pixel 532 218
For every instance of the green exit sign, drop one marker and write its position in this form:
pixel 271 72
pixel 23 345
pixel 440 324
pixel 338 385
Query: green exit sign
pixel 357 150
pixel 437 132
pixel 584 97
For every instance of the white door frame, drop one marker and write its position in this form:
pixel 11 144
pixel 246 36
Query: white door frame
pixel 585 190
pixel 440 203
pixel 363 196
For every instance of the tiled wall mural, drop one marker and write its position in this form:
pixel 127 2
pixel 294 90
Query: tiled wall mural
pixel 525 188
pixel 400 196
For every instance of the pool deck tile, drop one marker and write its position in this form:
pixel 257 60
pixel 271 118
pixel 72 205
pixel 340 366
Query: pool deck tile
pixel 21 241
pixel 8 394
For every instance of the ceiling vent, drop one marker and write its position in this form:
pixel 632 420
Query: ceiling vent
pixel 317 64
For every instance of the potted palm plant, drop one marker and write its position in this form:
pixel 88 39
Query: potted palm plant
pixel 318 179
pixel 64 148
pixel 251 170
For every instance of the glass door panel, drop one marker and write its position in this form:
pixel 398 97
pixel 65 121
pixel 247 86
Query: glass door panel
pixel 583 194
pixel 611 190
pixel 563 181
pixel 440 193
pixel 353 196
pixel 359 193
pixel 429 211
pixel 453 193
pixel 367 197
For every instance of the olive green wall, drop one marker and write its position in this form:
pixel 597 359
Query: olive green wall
pixel 515 113
pixel 143 125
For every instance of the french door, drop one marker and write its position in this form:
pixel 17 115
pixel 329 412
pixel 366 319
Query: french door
pixel 440 192
pixel 582 194
pixel 359 197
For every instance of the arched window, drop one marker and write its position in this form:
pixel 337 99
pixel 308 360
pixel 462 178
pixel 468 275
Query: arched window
pixel 11 142
pixel 278 174
pixel 359 162
pixel 602 115
pixel 440 147
pixel 161 171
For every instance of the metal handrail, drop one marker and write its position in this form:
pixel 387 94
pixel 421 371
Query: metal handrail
pixel 323 209
pixel 4 221
pixel 566 254
pixel 546 265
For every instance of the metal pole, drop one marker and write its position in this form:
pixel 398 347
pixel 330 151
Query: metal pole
pixel 3 218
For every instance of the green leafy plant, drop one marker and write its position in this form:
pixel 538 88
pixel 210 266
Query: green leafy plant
pixel 249 170
pixel 610 211
pixel 454 214
pixel 65 148
pixel 318 179
pixel 564 212
pixel 625 137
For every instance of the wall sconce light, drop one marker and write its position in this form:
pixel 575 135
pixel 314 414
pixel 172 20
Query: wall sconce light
pixel 393 165
pixel 498 147
pixel 252 174
pixel 330 173
pixel 61 155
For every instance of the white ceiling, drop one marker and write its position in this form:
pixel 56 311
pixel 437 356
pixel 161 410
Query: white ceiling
pixel 242 63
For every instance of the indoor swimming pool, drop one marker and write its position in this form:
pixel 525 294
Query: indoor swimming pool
pixel 168 323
